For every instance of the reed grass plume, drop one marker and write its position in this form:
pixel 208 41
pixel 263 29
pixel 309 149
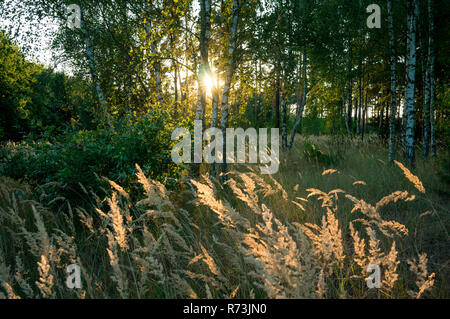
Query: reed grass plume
pixel 209 240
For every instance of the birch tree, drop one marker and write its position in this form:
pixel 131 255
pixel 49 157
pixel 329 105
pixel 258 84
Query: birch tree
pixel 229 77
pixel 93 71
pixel 410 80
pixel 152 44
pixel 348 113
pixel 393 82
pixel 300 102
pixel 205 32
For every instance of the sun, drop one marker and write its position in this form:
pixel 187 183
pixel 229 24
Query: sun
pixel 208 82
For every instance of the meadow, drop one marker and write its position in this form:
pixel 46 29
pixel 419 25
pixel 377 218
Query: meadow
pixel 309 231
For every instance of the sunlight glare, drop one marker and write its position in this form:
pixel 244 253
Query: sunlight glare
pixel 208 83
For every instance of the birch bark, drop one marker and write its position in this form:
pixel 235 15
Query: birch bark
pixel 94 72
pixel 229 77
pixel 410 80
pixel 301 103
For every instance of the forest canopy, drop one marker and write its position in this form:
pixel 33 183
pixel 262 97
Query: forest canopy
pixel 354 88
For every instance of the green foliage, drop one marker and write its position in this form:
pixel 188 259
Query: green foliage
pixel 313 126
pixel 56 103
pixel 76 157
pixel 39 100
pixel 314 154
pixel 16 77
pixel 444 171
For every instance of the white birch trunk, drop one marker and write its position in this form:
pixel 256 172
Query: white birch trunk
pixel 301 103
pixel 229 76
pixel 410 80
pixel 94 73
pixel 205 26
pixel 205 31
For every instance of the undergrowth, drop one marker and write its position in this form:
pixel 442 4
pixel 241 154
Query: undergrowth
pixel 204 239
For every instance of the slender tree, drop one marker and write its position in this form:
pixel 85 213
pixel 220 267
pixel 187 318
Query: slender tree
pixel 348 113
pixel 229 77
pixel 203 70
pixel 300 102
pixel 154 53
pixel 358 106
pixel 426 100
pixel 393 82
pixel 431 61
pixel 94 72
pixel 410 80
pixel 205 33
pixel 283 121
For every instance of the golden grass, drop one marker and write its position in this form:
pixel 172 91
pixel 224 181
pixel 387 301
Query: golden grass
pixel 307 232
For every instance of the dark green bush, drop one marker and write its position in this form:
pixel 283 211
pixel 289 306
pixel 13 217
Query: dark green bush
pixel 314 154
pixel 78 156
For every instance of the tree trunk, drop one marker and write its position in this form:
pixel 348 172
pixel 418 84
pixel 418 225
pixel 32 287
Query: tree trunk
pixel 348 119
pixel 364 117
pixel 214 120
pixel 426 110
pixel 404 121
pixel 283 121
pixel 393 83
pixel 94 73
pixel 426 94
pixel 386 123
pixel 301 103
pixel 175 82
pixel 277 100
pixel 358 108
pixel 348 112
pixel 157 62
pixel 380 122
pixel 431 59
pixel 410 80
pixel 229 77
pixel 215 103
pixel 205 31
pixel 258 95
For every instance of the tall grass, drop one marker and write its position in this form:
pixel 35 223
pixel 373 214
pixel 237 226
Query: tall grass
pixel 307 232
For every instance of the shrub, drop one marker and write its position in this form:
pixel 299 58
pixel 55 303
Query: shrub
pixel 78 156
pixel 313 153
